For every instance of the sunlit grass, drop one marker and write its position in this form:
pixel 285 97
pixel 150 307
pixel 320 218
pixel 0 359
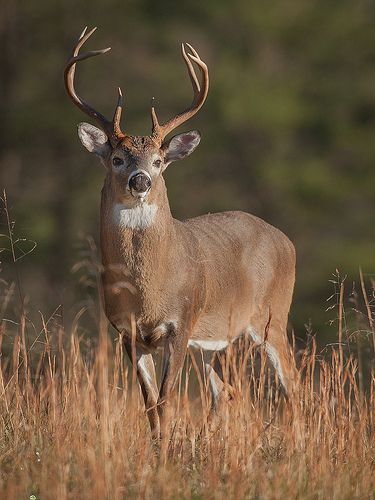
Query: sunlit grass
pixel 73 424
pixel 72 427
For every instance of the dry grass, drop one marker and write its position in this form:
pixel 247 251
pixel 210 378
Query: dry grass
pixel 72 428
pixel 73 424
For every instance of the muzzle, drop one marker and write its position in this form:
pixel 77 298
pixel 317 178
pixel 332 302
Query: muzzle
pixel 140 182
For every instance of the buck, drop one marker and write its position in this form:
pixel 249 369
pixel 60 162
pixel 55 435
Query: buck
pixel 182 281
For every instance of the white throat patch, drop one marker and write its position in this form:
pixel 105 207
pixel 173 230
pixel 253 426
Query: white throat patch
pixel 140 217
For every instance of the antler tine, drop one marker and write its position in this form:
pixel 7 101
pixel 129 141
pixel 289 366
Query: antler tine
pixel 154 118
pixel 112 128
pixel 192 74
pixel 159 132
pixel 117 115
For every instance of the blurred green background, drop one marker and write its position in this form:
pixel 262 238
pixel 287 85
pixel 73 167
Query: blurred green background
pixel 288 127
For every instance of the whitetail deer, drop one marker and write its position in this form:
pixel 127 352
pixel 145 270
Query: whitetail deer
pixel 182 281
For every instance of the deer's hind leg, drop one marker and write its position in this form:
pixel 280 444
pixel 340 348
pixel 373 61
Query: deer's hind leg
pixel 212 368
pixel 280 354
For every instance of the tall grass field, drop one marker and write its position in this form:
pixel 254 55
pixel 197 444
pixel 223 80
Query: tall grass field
pixel 73 423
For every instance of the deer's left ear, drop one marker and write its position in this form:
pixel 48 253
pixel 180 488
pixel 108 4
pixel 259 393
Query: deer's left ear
pixel 180 146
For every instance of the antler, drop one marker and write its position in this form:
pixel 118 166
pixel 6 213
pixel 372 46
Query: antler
pixel 159 132
pixel 111 128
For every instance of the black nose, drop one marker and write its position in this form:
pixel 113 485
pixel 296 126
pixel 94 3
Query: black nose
pixel 140 182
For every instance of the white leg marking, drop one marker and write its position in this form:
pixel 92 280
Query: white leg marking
pixel 139 217
pixel 275 360
pixel 143 370
pixel 213 385
pixel 271 353
pixel 254 335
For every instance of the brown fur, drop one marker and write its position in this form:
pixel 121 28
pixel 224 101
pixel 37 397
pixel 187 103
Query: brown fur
pixel 212 276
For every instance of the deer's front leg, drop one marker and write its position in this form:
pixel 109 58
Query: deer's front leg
pixel 173 359
pixel 147 380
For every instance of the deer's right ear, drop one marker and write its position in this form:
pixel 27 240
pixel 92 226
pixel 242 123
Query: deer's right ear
pixel 94 139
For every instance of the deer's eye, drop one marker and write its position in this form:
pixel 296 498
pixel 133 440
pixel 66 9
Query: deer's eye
pixel 157 163
pixel 117 161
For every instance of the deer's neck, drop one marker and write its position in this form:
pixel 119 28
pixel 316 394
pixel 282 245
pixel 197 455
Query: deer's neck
pixel 138 237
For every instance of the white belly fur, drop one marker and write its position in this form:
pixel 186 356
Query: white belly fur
pixel 208 345
pixel 219 345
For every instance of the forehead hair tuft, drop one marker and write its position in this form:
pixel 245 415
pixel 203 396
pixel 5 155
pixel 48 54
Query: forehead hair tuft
pixel 138 144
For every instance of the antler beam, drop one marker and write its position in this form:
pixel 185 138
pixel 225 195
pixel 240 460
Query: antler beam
pixel 111 128
pixel 159 132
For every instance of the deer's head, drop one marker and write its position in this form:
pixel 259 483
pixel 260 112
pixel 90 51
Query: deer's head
pixel 135 163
